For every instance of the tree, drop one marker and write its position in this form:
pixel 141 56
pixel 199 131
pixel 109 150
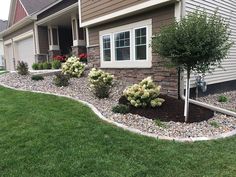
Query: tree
pixel 198 42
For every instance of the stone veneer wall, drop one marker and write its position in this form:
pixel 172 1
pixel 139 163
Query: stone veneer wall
pixel 166 77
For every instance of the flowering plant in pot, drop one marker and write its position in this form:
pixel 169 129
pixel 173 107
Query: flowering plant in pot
pixel 60 58
pixel 83 58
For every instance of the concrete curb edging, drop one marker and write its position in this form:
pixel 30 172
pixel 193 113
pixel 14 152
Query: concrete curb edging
pixel 133 130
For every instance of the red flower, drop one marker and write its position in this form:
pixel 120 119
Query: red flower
pixel 60 58
pixel 83 56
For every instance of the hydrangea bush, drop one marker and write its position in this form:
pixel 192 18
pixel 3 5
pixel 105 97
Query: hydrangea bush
pixel 144 94
pixel 73 67
pixel 100 82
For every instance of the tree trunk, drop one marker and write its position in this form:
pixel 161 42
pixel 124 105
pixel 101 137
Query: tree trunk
pixel 187 94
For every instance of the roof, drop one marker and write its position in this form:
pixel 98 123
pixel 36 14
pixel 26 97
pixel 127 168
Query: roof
pixel 3 25
pixel 32 6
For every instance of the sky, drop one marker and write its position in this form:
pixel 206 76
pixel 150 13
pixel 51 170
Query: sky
pixel 4 9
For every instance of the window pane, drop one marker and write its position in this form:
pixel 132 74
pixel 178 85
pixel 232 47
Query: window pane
pixel 141 44
pixel 123 53
pixel 122 46
pixel 106 48
pixel 141 52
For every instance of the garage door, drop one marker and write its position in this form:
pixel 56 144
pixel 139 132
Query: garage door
pixel 25 51
pixel 9 57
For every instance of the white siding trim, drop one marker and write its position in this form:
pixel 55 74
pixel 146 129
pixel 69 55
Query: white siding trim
pixel 23 36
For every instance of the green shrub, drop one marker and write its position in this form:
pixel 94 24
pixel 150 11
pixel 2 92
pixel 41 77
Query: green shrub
pixel 40 66
pixel 22 68
pixel 61 80
pixel 214 124
pixel 35 66
pixel 37 78
pixel 73 67
pixel 159 123
pixel 47 65
pixel 100 82
pixel 121 109
pixel 223 99
pixel 144 94
pixel 56 64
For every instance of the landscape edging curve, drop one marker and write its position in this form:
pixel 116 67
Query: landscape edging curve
pixel 133 130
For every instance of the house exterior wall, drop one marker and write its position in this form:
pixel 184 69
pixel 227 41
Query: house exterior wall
pixel 19 12
pixel 91 9
pixel 167 78
pixel 19 31
pixel 227 10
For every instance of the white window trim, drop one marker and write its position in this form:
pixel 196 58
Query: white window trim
pixel 132 63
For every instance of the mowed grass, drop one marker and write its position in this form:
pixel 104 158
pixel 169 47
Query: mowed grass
pixel 49 136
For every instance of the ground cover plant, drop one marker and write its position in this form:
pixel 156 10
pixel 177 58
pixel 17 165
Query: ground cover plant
pixel 43 135
pixel 37 77
pixel 61 80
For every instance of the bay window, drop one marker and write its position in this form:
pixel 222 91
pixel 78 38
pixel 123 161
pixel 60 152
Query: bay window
pixel 127 46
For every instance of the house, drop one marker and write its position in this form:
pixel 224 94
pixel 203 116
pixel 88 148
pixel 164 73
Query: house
pixel 119 36
pixel 116 35
pixel 38 30
pixel 3 26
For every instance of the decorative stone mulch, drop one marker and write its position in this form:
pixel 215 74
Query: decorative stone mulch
pixel 79 89
pixel 213 100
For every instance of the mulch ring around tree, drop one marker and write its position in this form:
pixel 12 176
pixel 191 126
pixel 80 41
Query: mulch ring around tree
pixel 171 110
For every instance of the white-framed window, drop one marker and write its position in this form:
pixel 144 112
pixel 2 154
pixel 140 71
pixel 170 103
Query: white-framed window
pixel 127 46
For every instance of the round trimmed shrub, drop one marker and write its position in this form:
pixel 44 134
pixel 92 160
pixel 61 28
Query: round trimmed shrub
pixel 73 67
pixel 144 94
pixel 100 82
pixel 56 64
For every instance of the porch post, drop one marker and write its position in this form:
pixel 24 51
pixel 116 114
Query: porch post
pixel 79 44
pixel 53 39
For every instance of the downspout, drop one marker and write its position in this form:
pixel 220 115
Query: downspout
pixel 181 80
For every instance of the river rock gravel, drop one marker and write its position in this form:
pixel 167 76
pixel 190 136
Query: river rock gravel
pixel 79 88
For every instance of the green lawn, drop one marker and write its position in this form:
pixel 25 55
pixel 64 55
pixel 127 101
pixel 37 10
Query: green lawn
pixel 47 136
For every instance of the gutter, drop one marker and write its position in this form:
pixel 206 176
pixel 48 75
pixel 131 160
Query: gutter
pixel 181 80
pixel 25 21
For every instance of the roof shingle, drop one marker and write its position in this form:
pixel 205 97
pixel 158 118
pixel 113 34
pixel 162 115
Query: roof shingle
pixel 33 6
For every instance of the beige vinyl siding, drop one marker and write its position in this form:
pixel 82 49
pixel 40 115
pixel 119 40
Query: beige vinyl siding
pixel 160 17
pixel 226 8
pixel 92 9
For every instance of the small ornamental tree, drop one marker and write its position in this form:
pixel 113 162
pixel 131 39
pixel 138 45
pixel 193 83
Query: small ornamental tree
pixel 198 42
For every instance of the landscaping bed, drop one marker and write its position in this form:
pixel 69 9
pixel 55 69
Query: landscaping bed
pixel 79 89
pixel 171 110
pixel 215 99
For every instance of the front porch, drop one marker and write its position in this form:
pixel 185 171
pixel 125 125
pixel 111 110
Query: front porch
pixel 60 34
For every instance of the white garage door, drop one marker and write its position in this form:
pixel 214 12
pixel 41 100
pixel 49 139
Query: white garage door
pixel 9 57
pixel 25 51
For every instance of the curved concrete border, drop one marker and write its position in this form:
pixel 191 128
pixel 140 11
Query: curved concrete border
pixel 133 130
